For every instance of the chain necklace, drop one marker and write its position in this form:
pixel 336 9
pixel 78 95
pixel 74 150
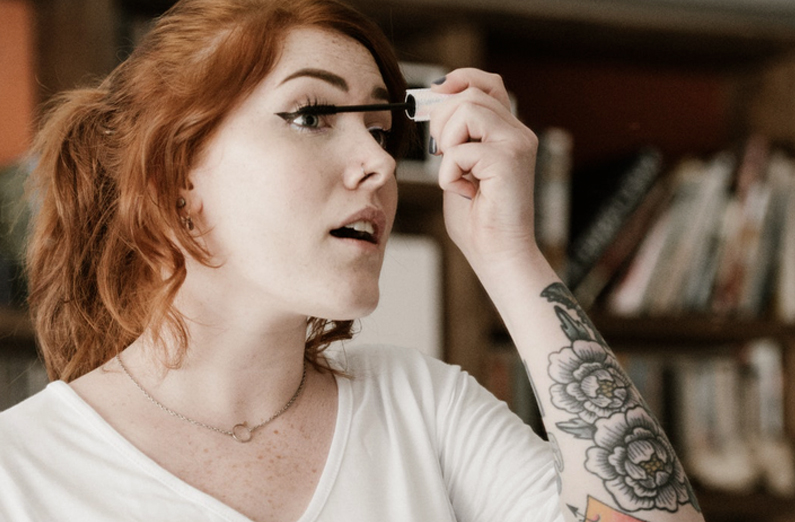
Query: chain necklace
pixel 239 432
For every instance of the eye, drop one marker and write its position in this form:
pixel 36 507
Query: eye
pixel 307 120
pixel 304 118
pixel 311 115
pixel 381 136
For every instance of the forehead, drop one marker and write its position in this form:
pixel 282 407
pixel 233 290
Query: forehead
pixel 309 47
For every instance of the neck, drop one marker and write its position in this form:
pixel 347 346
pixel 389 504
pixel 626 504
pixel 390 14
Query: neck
pixel 232 373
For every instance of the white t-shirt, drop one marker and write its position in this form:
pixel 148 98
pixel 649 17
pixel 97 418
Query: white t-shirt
pixel 415 440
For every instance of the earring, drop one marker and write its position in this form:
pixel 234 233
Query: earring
pixel 187 222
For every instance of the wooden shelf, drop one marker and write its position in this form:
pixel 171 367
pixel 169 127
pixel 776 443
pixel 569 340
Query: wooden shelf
pixel 688 330
pixel 719 505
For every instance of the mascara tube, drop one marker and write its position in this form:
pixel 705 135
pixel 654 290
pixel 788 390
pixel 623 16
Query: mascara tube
pixel 420 101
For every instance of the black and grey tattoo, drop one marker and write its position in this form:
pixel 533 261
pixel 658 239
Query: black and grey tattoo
pixel 630 452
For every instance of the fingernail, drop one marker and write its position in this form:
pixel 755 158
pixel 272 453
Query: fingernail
pixel 440 80
pixel 432 148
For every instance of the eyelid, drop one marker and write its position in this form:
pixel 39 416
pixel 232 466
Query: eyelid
pixel 378 127
pixel 311 107
pixel 383 132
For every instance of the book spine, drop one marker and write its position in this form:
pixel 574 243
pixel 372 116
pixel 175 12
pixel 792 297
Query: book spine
pixel 785 277
pixel 593 241
pixel 553 195
pixel 625 244
pixel 700 201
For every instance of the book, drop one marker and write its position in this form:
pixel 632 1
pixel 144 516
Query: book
pixel 634 182
pixel 627 241
pixel 553 195
pixel 758 284
pixel 744 221
pixel 647 274
pixel 627 296
pixel 764 414
pixel 696 196
pixel 785 271
pixel 713 447
pixel 700 198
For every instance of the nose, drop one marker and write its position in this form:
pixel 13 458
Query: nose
pixel 369 163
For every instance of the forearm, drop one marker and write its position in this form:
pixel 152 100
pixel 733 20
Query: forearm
pixel 611 449
pixel 611 454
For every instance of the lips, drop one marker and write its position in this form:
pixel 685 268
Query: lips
pixel 366 225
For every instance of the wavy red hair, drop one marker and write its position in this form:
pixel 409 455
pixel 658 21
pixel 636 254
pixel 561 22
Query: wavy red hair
pixel 107 252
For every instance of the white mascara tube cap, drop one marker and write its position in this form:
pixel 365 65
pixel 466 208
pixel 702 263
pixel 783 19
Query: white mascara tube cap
pixel 420 102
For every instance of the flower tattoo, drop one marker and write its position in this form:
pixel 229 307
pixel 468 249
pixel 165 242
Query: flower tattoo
pixel 637 463
pixel 589 382
pixel 630 453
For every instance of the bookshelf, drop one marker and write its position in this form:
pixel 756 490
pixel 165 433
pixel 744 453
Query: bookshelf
pixel 618 77
pixel 688 77
pixel 705 337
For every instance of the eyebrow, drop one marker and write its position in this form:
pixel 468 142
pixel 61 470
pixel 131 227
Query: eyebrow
pixel 379 93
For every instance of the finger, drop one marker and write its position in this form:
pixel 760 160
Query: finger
pixel 462 169
pixel 472 122
pixel 472 104
pixel 460 80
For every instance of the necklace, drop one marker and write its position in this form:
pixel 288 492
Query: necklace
pixel 239 432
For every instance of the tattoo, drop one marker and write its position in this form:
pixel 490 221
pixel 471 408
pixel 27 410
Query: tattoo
pixel 630 452
pixel 558 456
pixel 599 512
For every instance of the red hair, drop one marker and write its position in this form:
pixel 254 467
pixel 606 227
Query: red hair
pixel 106 260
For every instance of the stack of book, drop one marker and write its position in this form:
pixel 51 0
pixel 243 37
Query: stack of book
pixel 712 236
pixel 724 412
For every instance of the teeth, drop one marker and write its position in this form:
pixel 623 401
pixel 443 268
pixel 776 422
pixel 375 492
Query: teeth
pixel 362 226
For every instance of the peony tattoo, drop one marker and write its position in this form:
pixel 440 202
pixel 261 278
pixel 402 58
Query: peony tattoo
pixel 637 463
pixel 589 382
pixel 630 453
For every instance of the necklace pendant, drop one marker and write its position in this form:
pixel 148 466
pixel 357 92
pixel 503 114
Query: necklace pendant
pixel 241 433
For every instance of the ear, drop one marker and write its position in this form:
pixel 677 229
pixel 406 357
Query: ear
pixel 189 207
pixel 192 202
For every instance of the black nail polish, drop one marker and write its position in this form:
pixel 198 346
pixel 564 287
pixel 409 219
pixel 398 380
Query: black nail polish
pixel 440 80
pixel 432 147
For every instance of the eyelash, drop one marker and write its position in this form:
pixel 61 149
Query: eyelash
pixel 314 107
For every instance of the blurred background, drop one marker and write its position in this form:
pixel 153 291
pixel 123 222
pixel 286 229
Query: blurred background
pixel 665 199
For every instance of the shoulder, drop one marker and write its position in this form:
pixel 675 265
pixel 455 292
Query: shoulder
pixel 34 434
pixel 29 419
pixel 31 408
pixel 372 356
pixel 407 379
pixel 393 365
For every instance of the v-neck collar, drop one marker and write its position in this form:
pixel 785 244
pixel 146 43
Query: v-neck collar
pixel 102 429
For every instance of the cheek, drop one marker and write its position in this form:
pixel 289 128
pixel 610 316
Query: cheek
pixel 390 198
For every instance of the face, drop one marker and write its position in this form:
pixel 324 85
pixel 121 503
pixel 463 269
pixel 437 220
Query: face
pixel 296 210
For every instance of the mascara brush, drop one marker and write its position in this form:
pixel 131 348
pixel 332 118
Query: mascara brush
pixel 417 106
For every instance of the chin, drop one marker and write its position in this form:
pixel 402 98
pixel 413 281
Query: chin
pixel 352 309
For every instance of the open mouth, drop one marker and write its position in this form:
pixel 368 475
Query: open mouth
pixel 361 230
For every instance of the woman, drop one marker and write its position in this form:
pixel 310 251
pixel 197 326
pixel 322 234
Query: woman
pixel 212 217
